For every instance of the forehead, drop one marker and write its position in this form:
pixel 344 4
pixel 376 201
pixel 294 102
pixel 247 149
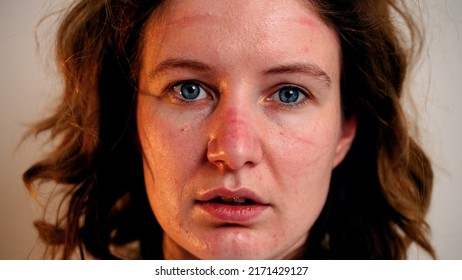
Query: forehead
pixel 236 12
pixel 253 31
pixel 198 9
pixel 236 15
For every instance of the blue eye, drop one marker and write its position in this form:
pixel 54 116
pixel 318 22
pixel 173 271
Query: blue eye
pixel 290 94
pixel 190 90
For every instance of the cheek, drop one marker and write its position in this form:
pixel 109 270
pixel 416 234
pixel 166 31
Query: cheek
pixel 170 151
pixel 306 161
pixel 303 160
pixel 174 147
pixel 305 145
pixel 169 144
pixel 308 152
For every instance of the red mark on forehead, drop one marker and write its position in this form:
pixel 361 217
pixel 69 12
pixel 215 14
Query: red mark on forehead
pixel 305 22
pixel 193 19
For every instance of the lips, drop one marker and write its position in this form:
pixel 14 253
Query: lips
pixel 237 207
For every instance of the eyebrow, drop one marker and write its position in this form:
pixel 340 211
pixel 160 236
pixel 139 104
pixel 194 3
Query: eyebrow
pixel 303 68
pixel 175 63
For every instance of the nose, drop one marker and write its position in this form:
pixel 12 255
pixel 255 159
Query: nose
pixel 233 139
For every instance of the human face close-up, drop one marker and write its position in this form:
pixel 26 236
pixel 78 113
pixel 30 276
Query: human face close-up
pixel 240 123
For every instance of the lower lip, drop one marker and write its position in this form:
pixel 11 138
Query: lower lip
pixel 233 214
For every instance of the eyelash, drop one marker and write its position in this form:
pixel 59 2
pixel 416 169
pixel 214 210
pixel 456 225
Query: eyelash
pixel 308 97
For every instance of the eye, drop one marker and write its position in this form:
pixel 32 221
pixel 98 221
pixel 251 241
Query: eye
pixel 190 90
pixel 289 95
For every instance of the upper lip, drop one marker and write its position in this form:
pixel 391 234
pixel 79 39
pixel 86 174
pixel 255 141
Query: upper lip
pixel 242 193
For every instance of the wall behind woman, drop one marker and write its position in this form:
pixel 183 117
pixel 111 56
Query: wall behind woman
pixel 28 87
pixel 438 85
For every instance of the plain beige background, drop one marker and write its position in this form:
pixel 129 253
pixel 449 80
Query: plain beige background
pixel 28 86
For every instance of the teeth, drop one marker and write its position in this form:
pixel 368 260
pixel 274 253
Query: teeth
pixel 228 199
pixel 233 200
pixel 239 200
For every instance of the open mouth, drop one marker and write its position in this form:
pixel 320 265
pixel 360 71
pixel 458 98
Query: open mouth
pixel 233 201
pixel 232 207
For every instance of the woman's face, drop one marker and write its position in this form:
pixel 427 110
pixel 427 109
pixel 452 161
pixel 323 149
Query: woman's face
pixel 240 125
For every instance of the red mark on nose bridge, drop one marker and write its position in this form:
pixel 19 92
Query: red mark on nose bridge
pixel 234 122
pixel 232 113
pixel 233 116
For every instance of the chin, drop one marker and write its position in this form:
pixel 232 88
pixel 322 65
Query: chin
pixel 236 244
pixel 245 253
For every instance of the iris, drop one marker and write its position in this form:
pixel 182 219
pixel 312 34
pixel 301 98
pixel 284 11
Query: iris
pixel 289 94
pixel 190 90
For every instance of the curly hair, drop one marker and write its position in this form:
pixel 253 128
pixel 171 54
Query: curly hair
pixel 378 196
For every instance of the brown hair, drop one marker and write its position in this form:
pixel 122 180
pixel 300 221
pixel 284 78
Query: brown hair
pixel 379 194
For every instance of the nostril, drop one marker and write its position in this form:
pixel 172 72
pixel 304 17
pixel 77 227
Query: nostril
pixel 219 163
pixel 214 155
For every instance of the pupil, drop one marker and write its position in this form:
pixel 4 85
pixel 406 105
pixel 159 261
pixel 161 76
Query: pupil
pixel 190 90
pixel 288 95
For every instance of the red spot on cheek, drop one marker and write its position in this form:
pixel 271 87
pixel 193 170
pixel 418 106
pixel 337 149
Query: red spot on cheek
pixel 305 50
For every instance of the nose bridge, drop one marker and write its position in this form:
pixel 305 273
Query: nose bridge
pixel 234 140
pixel 234 129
